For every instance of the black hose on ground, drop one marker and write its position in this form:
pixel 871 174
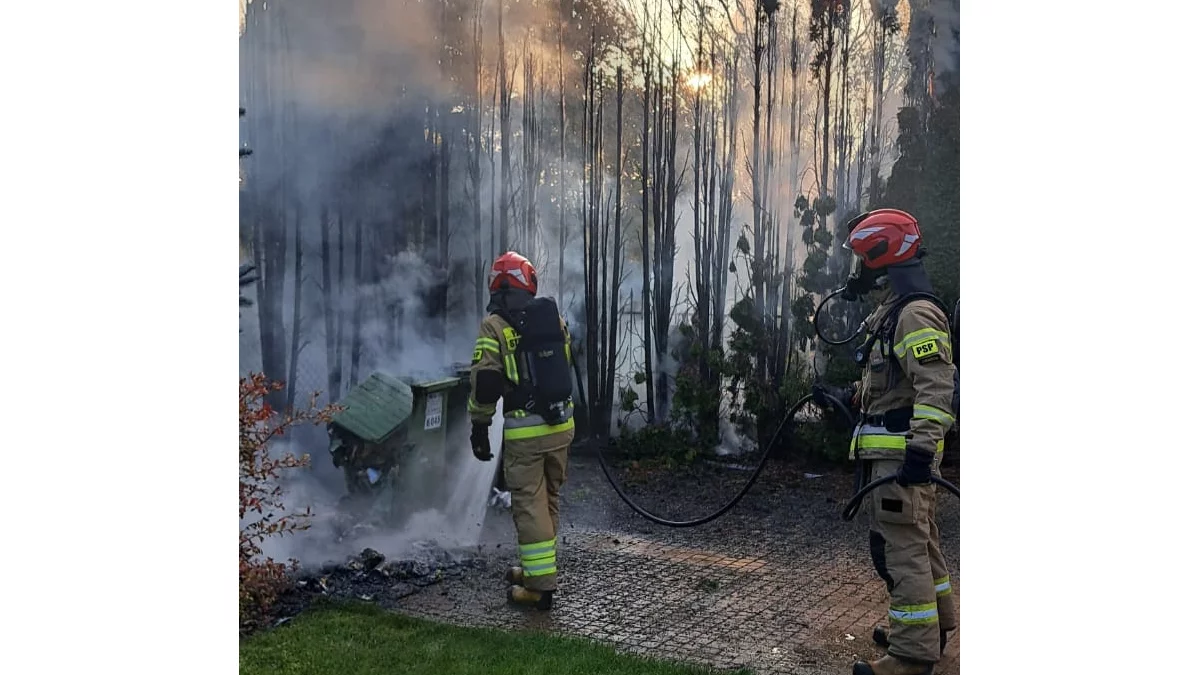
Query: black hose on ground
pixel 762 463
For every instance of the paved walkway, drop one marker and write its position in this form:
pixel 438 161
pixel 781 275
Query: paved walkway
pixel 778 585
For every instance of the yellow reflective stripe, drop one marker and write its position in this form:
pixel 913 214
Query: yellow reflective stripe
pixel 568 348
pixel 880 442
pixel 538 546
pixel 928 412
pixel 539 558
pixel 942 586
pixel 484 344
pixel 511 338
pixel 475 407
pixel 519 433
pixel 510 368
pixel 918 336
pixel 914 614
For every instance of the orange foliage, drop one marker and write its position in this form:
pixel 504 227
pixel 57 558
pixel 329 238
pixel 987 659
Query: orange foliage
pixel 261 508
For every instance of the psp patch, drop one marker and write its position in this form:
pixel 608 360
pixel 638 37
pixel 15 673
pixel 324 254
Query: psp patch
pixel 925 350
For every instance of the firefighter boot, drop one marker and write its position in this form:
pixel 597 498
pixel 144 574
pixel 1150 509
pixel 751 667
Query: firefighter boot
pixel 519 595
pixel 890 665
pixel 880 636
pixel 515 576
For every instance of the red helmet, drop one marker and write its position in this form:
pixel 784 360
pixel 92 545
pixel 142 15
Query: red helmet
pixel 512 270
pixel 883 237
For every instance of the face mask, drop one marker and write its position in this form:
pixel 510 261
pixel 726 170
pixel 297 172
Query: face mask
pixel 862 281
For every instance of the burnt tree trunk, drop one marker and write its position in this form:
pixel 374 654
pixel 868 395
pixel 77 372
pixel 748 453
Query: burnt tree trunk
pixel 647 336
pixel 297 297
pixel 329 305
pixel 505 235
pixel 356 343
pixel 616 254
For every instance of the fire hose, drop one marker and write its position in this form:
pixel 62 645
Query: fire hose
pixel 762 463
pixel 848 512
pixel 856 501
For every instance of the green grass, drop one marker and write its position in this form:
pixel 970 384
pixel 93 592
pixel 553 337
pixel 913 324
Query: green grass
pixel 360 639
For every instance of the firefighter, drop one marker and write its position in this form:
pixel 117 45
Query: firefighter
pixel 905 399
pixel 524 340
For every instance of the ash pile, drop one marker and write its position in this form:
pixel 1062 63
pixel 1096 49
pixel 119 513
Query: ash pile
pixel 370 577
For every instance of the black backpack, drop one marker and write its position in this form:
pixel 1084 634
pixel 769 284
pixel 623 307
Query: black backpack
pixel 957 357
pixel 542 363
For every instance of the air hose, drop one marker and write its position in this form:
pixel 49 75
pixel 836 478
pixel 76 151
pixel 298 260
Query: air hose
pixel 835 343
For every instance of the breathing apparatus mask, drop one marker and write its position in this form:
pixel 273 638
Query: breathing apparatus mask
pixel 862 280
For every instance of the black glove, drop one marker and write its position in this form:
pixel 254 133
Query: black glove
pixel 481 445
pixel 917 468
pixel 824 396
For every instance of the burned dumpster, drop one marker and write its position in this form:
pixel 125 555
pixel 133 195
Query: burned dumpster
pixel 391 441
pixel 368 439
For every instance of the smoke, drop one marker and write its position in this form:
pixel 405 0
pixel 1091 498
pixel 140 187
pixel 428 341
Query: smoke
pixel 944 42
pixel 348 105
pixel 458 521
pixel 933 39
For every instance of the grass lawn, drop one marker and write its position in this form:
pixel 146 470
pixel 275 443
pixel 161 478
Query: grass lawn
pixel 360 639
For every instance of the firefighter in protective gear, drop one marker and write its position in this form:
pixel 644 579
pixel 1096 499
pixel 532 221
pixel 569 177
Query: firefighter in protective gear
pixel 524 340
pixel 906 401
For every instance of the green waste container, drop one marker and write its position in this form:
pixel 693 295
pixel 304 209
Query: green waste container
pixel 368 440
pixel 396 440
pixel 425 475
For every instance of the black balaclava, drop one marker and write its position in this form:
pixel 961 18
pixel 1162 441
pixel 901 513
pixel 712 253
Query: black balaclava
pixel 507 299
pixel 909 277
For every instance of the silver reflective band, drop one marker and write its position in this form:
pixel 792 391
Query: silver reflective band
pixel 928 412
pixel 906 617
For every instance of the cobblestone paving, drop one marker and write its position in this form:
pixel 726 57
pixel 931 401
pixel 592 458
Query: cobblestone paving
pixel 778 585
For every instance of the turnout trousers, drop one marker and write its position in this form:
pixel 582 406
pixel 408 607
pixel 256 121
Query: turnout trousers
pixel 908 557
pixel 534 472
